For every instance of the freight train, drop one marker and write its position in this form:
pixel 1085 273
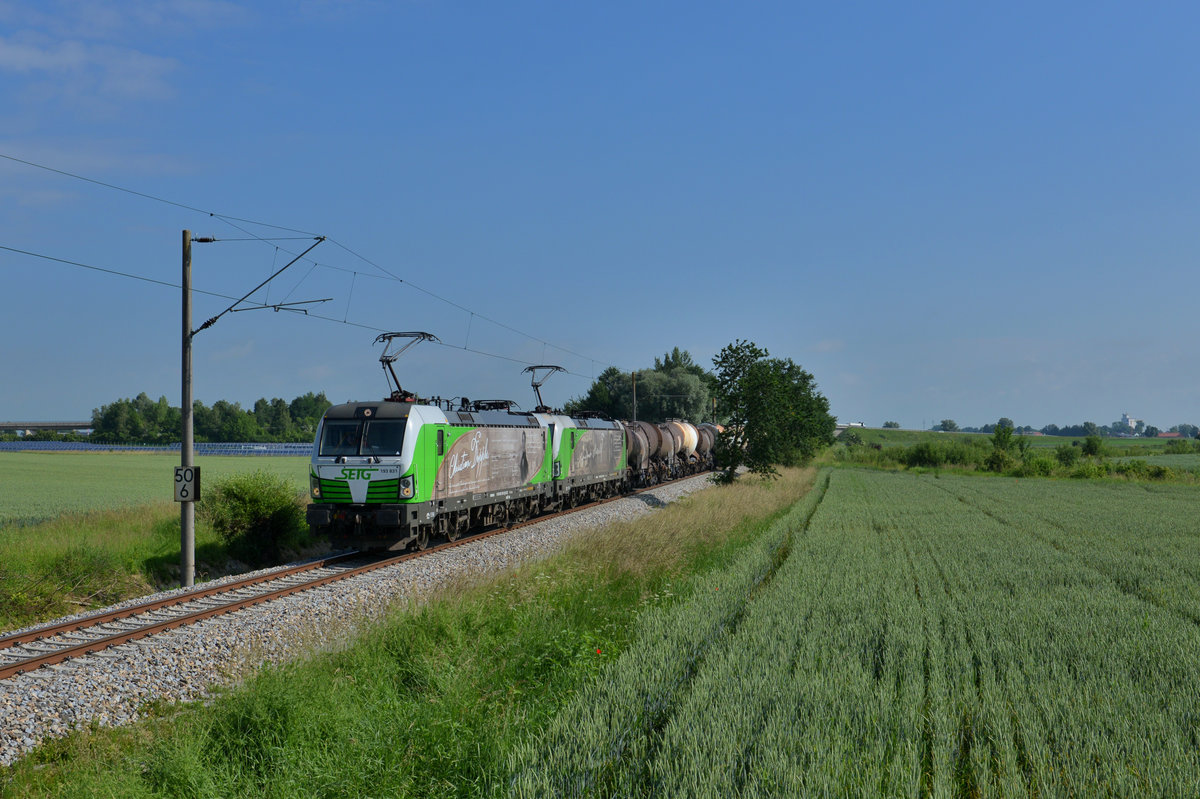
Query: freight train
pixel 399 472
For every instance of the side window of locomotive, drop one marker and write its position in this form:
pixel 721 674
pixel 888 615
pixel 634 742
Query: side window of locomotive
pixel 339 438
pixel 441 442
pixel 383 437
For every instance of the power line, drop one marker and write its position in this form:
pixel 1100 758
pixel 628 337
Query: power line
pixel 177 286
pixel 230 220
pixel 110 271
pixel 456 305
pixel 146 196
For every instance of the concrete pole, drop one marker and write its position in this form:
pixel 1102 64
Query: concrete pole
pixel 187 510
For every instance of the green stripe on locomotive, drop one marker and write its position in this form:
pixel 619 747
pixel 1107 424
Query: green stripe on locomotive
pixel 333 490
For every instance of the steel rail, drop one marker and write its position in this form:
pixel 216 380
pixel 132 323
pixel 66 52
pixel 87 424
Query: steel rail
pixel 192 617
pixel 95 619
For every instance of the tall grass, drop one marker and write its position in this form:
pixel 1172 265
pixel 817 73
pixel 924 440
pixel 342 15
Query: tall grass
pixel 83 561
pixel 682 532
pixel 79 562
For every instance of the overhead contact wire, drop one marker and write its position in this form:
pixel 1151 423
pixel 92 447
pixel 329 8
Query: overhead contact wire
pixel 170 285
pixel 112 272
pixel 231 220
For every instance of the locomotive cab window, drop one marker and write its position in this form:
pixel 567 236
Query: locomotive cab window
pixel 340 438
pixel 384 437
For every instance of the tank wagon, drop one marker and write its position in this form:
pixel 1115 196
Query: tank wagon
pixel 397 472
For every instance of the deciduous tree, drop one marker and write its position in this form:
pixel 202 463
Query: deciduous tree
pixel 774 413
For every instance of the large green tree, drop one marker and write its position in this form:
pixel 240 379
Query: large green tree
pixel 774 415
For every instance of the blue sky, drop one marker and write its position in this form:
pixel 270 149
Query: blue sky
pixel 941 210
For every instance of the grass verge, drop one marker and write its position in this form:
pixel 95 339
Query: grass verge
pixel 432 702
pixel 79 531
pixel 80 562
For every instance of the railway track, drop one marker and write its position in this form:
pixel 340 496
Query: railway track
pixel 53 644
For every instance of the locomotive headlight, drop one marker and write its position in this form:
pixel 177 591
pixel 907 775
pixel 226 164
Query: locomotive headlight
pixel 408 486
pixel 314 486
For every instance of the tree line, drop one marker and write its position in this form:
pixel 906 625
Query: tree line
pixel 146 421
pixel 1073 431
pixel 770 408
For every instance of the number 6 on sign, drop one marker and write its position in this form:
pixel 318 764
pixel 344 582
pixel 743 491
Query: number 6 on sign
pixel 187 483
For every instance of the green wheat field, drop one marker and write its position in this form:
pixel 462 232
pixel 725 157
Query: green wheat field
pixel 914 636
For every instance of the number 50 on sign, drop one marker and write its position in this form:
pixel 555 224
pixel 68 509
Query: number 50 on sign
pixel 187 483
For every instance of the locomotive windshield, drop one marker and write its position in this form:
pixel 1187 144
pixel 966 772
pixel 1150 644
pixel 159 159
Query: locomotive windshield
pixel 383 437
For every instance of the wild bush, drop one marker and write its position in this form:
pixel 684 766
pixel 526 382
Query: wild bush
pixel 933 454
pixel 259 515
pixel 1159 472
pixel 850 438
pixel 1037 466
pixel 998 460
pixel 870 455
pixel 1138 469
pixel 1133 468
pixel 1088 470
pixel 1067 454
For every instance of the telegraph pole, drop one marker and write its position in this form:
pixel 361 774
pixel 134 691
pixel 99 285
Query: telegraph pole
pixel 187 507
pixel 187 474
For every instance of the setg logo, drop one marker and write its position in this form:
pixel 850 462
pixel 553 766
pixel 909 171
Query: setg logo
pixel 358 474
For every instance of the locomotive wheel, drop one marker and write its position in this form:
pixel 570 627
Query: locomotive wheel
pixel 422 541
pixel 456 526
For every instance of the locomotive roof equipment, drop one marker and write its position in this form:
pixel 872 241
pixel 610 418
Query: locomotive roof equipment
pixel 537 384
pixel 387 359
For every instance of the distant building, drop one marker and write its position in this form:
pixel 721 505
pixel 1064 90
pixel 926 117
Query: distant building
pixel 1129 420
pixel 1170 435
